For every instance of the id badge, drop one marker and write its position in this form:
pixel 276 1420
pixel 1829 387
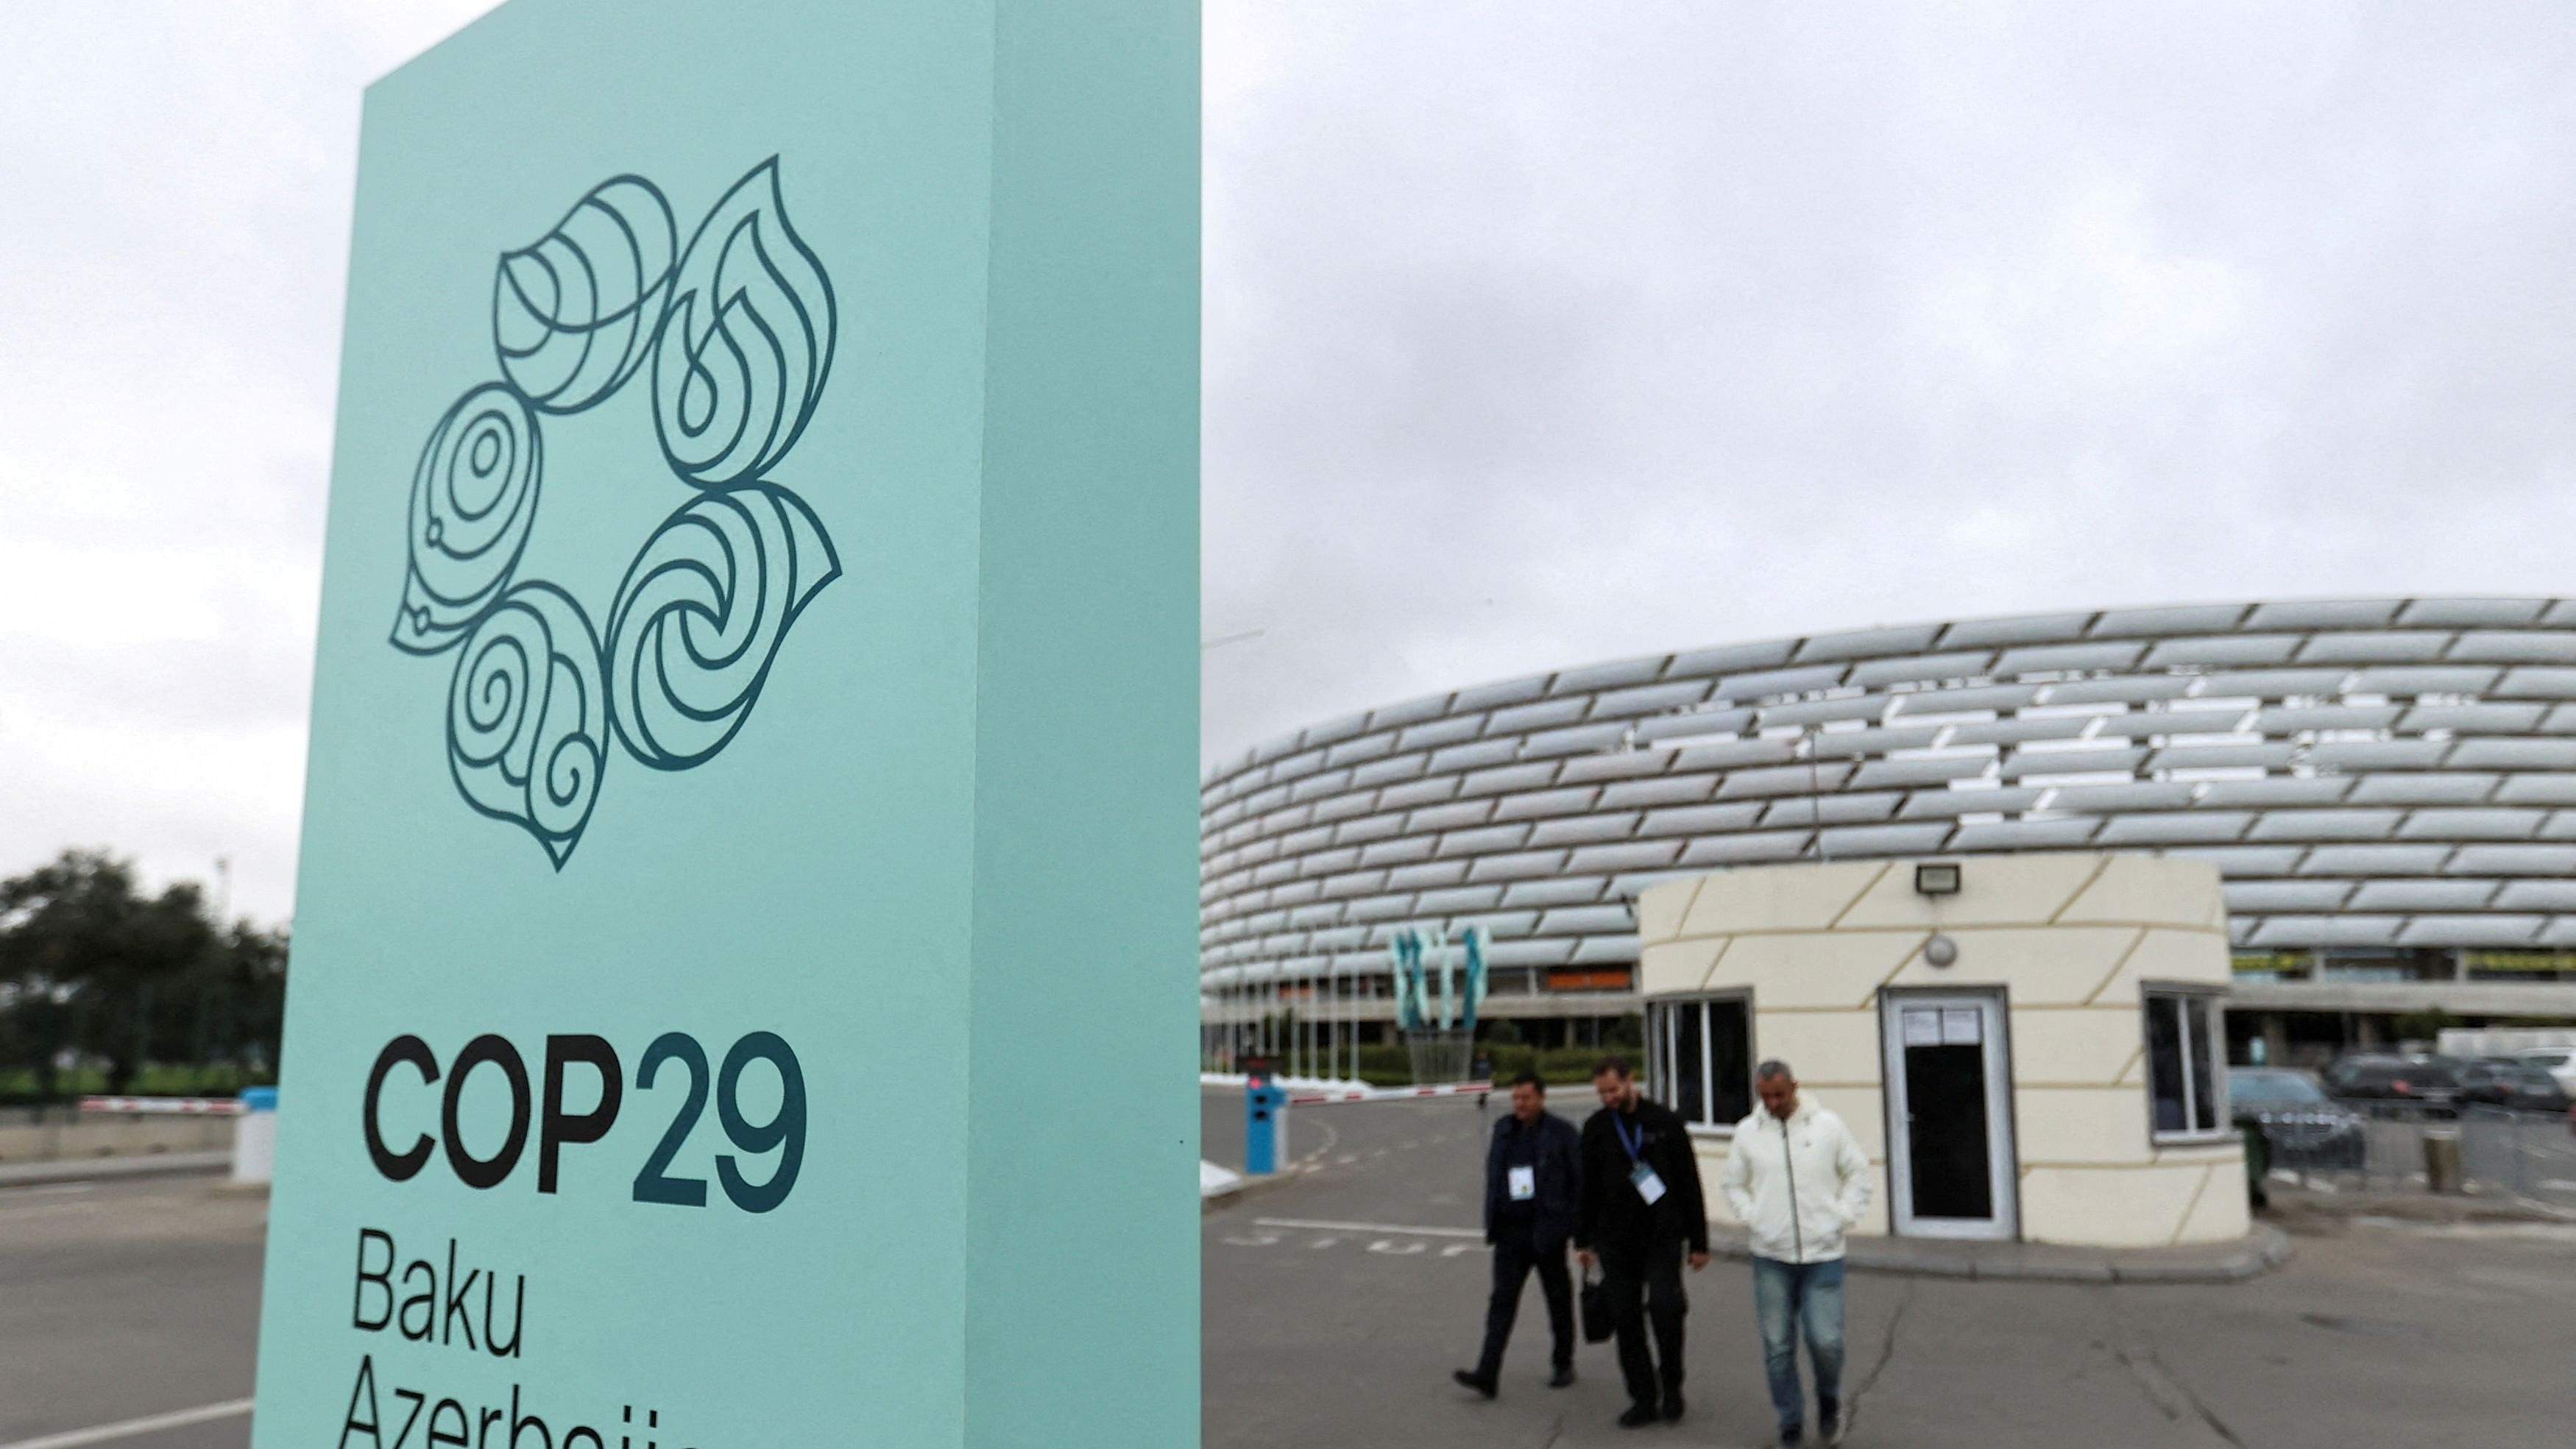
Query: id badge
pixel 1649 1186
pixel 1524 1183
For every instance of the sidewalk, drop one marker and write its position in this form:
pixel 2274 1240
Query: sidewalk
pixel 2295 1206
pixel 2258 1253
pixel 91 1169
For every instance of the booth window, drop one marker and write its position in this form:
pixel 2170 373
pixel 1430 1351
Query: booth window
pixel 2183 1048
pixel 1699 1058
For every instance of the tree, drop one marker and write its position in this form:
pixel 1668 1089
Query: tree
pixel 238 1010
pixel 90 966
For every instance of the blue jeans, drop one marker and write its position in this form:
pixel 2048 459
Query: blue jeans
pixel 1784 1296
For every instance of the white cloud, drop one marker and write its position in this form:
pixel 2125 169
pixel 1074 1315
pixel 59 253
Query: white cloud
pixel 171 266
pixel 1575 332
pixel 1536 333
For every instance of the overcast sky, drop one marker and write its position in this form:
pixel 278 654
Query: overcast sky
pixel 1536 333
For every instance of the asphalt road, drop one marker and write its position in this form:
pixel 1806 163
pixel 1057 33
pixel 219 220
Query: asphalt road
pixel 128 1299
pixel 1337 1301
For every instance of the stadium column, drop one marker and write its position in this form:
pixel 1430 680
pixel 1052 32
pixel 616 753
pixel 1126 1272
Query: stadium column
pixel 743 969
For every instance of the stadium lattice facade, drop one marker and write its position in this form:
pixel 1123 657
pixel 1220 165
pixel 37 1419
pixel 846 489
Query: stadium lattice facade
pixel 2387 785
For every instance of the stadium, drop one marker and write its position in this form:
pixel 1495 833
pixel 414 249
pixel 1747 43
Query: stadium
pixel 2387 786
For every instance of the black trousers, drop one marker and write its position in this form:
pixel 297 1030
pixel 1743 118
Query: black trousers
pixel 1642 1279
pixel 1516 1252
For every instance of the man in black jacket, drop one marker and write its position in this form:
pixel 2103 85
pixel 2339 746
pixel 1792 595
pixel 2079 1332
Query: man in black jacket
pixel 1532 1179
pixel 1639 1210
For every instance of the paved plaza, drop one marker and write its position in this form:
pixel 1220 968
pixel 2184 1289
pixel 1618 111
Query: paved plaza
pixel 1338 1299
pixel 1336 1304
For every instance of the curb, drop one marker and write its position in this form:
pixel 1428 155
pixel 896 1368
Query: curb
pixel 93 1169
pixel 2296 1205
pixel 2252 1256
pixel 1248 1187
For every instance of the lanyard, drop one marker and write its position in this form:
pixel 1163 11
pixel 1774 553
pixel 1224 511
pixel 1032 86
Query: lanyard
pixel 1620 1126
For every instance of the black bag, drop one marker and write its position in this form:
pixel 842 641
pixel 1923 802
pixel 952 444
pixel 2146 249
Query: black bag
pixel 1598 1325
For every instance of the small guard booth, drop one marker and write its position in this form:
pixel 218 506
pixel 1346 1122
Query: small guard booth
pixel 2028 1047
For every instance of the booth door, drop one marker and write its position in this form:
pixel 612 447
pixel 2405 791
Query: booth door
pixel 1951 1167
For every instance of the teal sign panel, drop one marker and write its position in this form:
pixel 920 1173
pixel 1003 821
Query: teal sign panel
pixel 744 979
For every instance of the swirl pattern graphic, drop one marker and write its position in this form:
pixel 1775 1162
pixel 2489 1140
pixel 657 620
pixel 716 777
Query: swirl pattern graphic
pixel 527 716
pixel 473 501
pixel 574 313
pixel 701 614
pixel 748 343
pixel 738 330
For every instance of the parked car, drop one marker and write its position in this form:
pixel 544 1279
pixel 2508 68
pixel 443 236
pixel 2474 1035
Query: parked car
pixel 2305 1127
pixel 2533 1089
pixel 2428 1082
pixel 2512 1084
pixel 2489 1081
pixel 2559 1062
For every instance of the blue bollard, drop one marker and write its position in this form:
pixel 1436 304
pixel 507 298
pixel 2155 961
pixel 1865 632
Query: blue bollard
pixel 1265 1110
pixel 255 1136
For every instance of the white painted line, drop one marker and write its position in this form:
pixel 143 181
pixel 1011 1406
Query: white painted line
pixel 13 1196
pixel 152 1424
pixel 51 1207
pixel 1313 1225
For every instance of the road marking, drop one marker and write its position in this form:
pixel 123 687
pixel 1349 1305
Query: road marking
pixel 19 1212
pixel 47 1201
pixel 1314 1225
pixel 152 1424
pixel 1390 1246
pixel 1347 1158
pixel 1332 1139
pixel 1454 1249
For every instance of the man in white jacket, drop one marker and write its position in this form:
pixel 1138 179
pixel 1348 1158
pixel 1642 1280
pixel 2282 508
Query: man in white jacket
pixel 1798 1180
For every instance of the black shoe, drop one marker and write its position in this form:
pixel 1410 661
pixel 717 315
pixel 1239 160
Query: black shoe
pixel 1469 1378
pixel 1563 1378
pixel 1829 1421
pixel 1793 1439
pixel 1672 1406
pixel 1639 1416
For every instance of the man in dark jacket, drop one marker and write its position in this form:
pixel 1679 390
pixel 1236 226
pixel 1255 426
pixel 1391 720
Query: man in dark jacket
pixel 1639 1211
pixel 1532 1180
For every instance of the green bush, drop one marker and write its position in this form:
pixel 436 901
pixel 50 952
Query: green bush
pixel 19 1088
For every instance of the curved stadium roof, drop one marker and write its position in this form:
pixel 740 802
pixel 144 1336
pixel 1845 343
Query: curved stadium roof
pixel 2369 772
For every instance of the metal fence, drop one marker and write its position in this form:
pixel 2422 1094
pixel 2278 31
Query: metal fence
pixel 2524 1157
pixel 2522 1154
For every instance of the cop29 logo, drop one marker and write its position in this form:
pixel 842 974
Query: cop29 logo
pixel 736 332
